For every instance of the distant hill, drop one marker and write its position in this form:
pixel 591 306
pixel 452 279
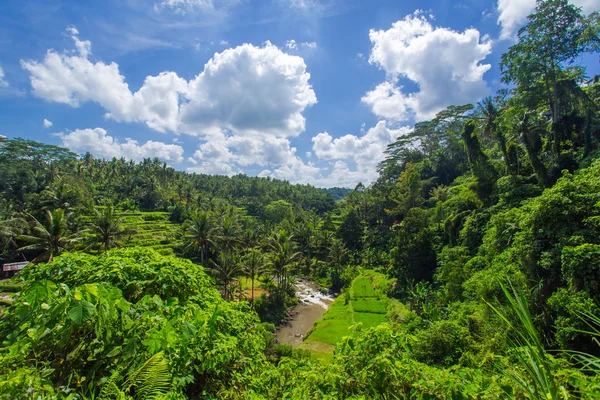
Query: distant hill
pixel 338 193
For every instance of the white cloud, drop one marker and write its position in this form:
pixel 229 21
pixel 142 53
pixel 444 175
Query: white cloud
pixel 444 64
pixel 97 142
pixel 3 83
pixel 224 43
pixel 248 89
pixel 291 44
pixel 367 151
pixel 513 13
pixel 244 151
pixel 295 171
pixel 71 30
pixel 304 4
pixel 183 6
pixel 388 101
pixel 47 123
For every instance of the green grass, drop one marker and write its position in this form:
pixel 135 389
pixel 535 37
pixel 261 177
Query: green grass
pixel 334 325
pixel 362 287
pixel 374 306
pixel 369 320
pixel 365 305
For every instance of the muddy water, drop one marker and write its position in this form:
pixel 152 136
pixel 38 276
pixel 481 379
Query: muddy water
pixel 311 306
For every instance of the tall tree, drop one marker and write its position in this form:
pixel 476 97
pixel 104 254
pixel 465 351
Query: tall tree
pixel 480 166
pixel 107 229
pixel 282 254
pixel 200 234
pixel 253 266
pixel 225 270
pixel 337 259
pixel 553 38
pixel 49 238
pixel 490 112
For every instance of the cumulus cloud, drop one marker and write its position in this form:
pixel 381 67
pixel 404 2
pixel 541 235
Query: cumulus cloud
pixel 243 151
pixel 366 151
pixel 47 123
pixel 3 83
pixel 513 13
pixel 247 89
pixel 444 64
pixel 100 144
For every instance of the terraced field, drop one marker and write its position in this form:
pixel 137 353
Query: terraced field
pixel 363 303
pixel 151 229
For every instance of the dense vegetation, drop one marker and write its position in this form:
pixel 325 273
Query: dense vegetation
pixel 470 269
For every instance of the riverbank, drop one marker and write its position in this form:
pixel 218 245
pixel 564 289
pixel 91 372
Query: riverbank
pixel 312 305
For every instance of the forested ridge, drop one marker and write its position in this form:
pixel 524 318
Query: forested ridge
pixel 470 269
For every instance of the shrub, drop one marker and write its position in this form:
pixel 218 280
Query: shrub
pixel 441 344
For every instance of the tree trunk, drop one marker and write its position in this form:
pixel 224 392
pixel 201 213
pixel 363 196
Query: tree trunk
pixel 536 163
pixel 555 119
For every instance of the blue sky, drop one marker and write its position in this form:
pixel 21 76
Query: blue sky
pixel 311 91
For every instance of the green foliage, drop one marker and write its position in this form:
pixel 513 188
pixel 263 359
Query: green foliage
pixel 176 336
pixel 278 210
pixel 413 257
pixel 441 344
pixel 507 190
pixel 136 272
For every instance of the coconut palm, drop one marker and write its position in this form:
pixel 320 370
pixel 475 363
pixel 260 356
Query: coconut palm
pixel 200 233
pixel 107 228
pixel 10 229
pixel 229 234
pixel 253 266
pixel 490 112
pixel 49 238
pixel 282 254
pixel 337 255
pixel 225 270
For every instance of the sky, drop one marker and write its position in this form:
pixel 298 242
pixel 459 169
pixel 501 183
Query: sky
pixel 310 91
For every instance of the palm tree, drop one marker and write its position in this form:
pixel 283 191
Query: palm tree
pixel 106 228
pixel 229 231
pixel 490 112
pixel 253 266
pixel 50 238
pixel 10 229
pixel 200 233
pixel 282 254
pixel 337 255
pixel 225 270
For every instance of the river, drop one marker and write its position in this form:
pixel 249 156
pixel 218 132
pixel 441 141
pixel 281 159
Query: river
pixel 312 304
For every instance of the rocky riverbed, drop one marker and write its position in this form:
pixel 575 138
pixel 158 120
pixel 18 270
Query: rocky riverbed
pixel 312 304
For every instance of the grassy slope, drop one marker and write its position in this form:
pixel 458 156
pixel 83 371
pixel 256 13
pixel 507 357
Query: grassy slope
pixel 151 229
pixel 362 304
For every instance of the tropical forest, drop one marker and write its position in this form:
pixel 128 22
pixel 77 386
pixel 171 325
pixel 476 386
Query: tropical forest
pixel 468 269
